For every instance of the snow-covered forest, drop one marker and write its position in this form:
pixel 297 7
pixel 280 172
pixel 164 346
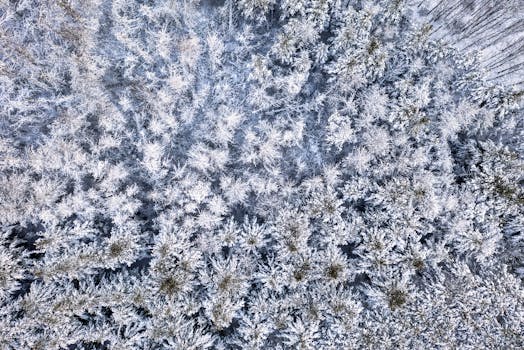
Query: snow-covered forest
pixel 261 174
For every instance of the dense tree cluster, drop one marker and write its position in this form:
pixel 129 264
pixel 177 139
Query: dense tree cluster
pixel 255 174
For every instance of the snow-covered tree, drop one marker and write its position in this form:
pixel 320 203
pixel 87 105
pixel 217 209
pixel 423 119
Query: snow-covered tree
pixel 261 174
